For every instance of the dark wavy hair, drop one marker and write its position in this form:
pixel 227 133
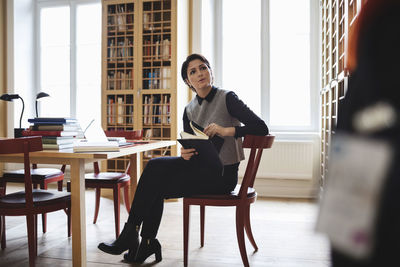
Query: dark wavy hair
pixel 185 65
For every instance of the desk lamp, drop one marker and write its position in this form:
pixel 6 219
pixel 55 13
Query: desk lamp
pixel 38 96
pixel 7 97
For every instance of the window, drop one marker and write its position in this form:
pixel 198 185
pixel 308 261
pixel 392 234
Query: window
pixel 289 63
pixel 241 50
pixel 70 59
pixel 268 57
pixel 55 60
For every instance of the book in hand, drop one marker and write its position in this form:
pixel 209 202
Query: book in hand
pixel 207 148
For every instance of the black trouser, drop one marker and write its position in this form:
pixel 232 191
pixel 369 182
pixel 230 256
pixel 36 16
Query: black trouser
pixel 174 177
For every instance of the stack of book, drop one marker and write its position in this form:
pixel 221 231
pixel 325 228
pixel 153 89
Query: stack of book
pixel 56 133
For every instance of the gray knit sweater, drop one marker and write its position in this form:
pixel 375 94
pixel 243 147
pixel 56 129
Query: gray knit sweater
pixel 217 112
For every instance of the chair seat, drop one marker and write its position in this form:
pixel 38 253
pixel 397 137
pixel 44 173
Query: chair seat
pixel 251 192
pixel 40 198
pixel 107 177
pixel 36 174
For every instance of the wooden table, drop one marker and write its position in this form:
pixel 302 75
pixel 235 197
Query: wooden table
pixel 77 163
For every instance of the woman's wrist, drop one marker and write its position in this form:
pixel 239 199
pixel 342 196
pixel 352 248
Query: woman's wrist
pixel 228 131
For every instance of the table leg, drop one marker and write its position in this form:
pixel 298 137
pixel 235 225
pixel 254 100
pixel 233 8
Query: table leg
pixel 135 171
pixel 78 212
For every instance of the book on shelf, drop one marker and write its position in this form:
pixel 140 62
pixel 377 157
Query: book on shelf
pixel 166 78
pixel 121 18
pixel 120 110
pixel 207 148
pixel 111 111
pixel 166 49
pixel 48 133
pixel 58 146
pixel 147 21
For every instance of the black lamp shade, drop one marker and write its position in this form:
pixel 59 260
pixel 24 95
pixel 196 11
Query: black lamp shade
pixel 8 97
pixel 38 96
pixel 42 94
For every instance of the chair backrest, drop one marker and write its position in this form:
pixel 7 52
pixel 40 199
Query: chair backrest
pixel 23 145
pixel 129 135
pixel 256 144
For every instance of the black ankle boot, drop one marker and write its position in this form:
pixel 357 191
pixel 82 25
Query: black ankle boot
pixel 128 239
pixel 146 248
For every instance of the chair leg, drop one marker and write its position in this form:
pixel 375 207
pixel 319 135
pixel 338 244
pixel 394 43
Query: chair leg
pixel 240 234
pixel 116 195
pixel 97 204
pixel 60 185
pixel 44 215
pixel 247 227
pixel 202 215
pixel 126 198
pixel 35 217
pixel 2 188
pixel 3 231
pixel 3 218
pixel 186 217
pixel 68 211
pixel 30 224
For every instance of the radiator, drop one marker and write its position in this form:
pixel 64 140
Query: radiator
pixel 287 160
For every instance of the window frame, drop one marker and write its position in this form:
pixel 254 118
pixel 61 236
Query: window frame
pixel 265 62
pixel 73 5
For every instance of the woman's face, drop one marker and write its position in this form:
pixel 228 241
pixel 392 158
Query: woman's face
pixel 199 75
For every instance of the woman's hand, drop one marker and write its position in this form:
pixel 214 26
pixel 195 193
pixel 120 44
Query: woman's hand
pixel 188 153
pixel 214 129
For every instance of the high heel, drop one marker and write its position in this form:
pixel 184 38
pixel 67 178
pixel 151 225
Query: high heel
pixel 146 248
pixel 128 239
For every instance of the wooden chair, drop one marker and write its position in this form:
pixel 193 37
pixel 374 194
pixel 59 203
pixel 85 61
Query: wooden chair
pixel 40 177
pixel 114 180
pixel 241 198
pixel 30 202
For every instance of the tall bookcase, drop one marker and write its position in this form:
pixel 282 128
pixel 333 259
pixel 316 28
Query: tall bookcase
pixel 139 71
pixel 337 19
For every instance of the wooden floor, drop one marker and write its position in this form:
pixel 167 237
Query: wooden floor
pixel 283 229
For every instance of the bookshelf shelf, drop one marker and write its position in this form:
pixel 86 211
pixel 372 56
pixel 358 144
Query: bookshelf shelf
pixel 139 67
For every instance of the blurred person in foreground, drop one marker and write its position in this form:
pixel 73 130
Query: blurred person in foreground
pixel 374 65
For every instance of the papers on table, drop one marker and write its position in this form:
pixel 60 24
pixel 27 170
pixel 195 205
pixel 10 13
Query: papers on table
pixel 95 140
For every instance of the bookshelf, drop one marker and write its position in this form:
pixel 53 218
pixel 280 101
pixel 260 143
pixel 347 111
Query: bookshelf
pixel 337 19
pixel 139 71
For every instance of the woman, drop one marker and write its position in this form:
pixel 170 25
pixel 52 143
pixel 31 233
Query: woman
pixel 221 113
